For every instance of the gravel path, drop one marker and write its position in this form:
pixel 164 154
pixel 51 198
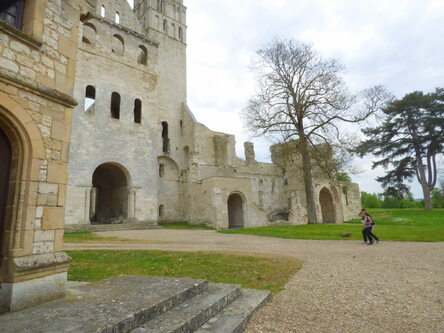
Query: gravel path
pixel 344 286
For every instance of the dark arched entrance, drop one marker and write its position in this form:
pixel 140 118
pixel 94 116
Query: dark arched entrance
pixel 111 197
pixel 5 165
pixel 235 211
pixel 327 208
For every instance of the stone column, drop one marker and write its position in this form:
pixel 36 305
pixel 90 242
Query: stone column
pixel 92 203
pixel 131 204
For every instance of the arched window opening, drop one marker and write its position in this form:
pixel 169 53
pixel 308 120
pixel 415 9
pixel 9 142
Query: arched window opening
pixel 143 55
pixel 115 105
pixel 161 170
pixel 180 34
pixel 160 5
pixel 118 45
pixel 90 99
pixel 138 111
pixel 165 139
pixel 173 30
pixel 165 26
pixel 161 211
pixel 117 18
pixel 344 190
pixel 102 11
pixel 89 33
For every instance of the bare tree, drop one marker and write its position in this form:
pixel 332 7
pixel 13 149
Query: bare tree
pixel 302 98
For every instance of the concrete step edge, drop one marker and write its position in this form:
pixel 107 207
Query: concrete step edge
pixel 151 312
pixel 235 316
pixel 190 315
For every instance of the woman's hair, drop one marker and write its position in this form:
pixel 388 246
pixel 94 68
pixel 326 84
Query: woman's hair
pixel 366 214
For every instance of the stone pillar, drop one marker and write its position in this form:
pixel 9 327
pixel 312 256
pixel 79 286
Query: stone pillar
pixel 131 204
pixel 91 202
pixel 250 156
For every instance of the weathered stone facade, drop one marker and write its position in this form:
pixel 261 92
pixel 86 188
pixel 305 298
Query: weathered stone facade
pixel 95 128
pixel 37 69
pixel 171 167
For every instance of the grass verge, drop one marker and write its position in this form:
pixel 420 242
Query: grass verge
pixel 269 273
pixel 414 225
pixel 184 226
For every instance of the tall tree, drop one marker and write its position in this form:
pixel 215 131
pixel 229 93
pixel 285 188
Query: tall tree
pixel 409 139
pixel 301 99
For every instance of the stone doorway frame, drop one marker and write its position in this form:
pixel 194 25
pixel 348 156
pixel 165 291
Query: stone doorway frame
pixel 24 168
pixel 91 194
pixel 244 208
pixel 325 206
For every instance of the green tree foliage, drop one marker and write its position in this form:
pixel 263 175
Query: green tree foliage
pixel 369 200
pixel 410 139
pixel 437 198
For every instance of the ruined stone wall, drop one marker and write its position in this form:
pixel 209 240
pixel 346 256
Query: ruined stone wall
pixel 97 138
pixel 37 69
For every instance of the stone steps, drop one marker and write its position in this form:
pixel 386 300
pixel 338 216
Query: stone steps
pixel 235 316
pixel 194 312
pixel 110 227
pixel 136 304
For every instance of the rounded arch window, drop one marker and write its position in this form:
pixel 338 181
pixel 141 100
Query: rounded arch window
pixel 142 56
pixel 118 45
pixel 137 111
pixel 89 33
pixel 115 105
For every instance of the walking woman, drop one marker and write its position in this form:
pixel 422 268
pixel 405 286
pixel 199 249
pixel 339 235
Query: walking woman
pixel 368 227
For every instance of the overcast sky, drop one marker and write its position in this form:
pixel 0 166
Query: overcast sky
pixel 396 43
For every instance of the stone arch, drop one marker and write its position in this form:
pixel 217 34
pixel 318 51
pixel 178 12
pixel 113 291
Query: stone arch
pixel 169 188
pixel 142 56
pixel 339 214
pixel 110 198
pixel 236 210
pixel 118 45
pixel 89 33
pixel 21 155
pixel 171 169
pixel 327 206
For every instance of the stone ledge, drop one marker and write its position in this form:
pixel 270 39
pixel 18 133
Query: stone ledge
pixel 10 30
pixel 16 80
pixel 29 263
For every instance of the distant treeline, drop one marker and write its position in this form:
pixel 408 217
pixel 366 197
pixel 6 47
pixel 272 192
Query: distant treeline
pixel 380 200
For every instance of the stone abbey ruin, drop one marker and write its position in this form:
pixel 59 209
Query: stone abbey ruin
pixel 95 129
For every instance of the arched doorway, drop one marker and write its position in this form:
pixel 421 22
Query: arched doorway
pixel 5 165
pixel 111 194
pixel 327 208
pixel 235 211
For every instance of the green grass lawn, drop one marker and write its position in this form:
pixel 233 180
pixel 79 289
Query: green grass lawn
pixel 184 225
pixel 414 225
pixel 269 273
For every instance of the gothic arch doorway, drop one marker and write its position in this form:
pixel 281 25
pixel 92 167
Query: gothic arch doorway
pixel 235 211
pixel 5 165
pixel 327 206
pixel 110 194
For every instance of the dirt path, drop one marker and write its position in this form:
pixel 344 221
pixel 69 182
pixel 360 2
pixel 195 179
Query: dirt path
pixel 395 286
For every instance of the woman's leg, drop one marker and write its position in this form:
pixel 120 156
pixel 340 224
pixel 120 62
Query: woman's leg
pixel 364 235
pixel 373 235
pixel 368 233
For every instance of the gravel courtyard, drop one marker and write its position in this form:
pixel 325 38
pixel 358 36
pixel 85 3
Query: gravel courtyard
pixel 344 286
